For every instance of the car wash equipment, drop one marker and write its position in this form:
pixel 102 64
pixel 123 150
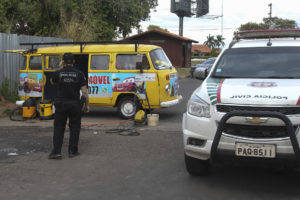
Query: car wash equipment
pixel 140 116
pixel 29 108
pixel 46 110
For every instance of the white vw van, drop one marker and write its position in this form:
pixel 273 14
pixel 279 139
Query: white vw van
pixel 248 106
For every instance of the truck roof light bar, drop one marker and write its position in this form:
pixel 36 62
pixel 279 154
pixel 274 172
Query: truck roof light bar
pixel 268 33
pixel 83 44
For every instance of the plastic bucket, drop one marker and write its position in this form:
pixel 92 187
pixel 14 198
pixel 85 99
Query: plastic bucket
pixel 46 110
pixel 153 119
pixel 29 112
pixel 29 108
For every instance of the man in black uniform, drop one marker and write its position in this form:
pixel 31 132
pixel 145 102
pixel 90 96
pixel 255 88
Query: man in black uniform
pixel 69 82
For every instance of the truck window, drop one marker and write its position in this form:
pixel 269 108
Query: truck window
pixel 100 62
pixel 128 61
pixel 259 62
pixel 35 63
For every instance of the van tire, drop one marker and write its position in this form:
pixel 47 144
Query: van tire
pixel 126 107
pixel 197 167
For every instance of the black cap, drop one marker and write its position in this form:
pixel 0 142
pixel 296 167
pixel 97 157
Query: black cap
pixel 68 58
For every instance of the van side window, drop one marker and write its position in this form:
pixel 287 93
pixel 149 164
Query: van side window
pixel 54 62
pixel 128 61
pixel 100 62
pixel 24 62
pixel 145 62
pixel 35 63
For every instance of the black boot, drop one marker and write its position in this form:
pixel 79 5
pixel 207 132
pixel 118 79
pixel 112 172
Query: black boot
pixel 54 155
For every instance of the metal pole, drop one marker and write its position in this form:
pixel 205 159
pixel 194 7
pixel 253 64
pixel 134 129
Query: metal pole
pixel 181 25
pixel 270 13
pixel 222 19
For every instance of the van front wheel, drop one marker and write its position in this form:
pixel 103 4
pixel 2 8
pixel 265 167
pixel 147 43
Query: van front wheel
pixel 127 108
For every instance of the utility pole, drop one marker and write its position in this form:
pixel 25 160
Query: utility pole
pixel 271 23
pixel 222 19
pixel 270 13
pixel 181 25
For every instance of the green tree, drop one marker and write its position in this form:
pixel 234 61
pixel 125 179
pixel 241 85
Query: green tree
pixel 268 23
pixel 76 19
pixel 219 41
pixel 214 42
pixel 276 22
pixel 155 27
pixel 210 41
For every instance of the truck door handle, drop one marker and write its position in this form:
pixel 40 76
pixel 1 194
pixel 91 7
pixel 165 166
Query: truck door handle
pixel 116 79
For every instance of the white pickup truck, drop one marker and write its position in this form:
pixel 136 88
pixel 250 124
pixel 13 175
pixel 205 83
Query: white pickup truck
pixel 248 106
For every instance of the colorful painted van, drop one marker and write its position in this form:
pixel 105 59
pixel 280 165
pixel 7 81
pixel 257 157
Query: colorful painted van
pixel 113 72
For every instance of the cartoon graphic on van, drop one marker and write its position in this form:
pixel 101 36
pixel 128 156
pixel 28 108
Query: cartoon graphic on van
pixel 125 86
pixel 30 83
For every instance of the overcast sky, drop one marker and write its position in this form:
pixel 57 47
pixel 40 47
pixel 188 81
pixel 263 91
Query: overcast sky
pixel 235 13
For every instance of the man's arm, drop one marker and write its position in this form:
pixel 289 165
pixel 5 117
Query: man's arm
pixel 85 94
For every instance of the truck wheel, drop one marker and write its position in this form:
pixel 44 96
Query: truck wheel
pixel 126 108
pixel 197 167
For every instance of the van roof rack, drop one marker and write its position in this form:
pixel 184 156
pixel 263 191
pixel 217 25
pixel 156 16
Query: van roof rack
pixel 268 33
pixel 83 44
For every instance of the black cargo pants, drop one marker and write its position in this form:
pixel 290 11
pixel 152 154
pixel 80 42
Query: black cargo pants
pixel 63 111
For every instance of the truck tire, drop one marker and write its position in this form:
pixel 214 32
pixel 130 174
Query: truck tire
pixel 197 167
pixel 126 107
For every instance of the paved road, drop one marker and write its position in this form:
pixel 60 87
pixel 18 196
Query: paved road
pixel 112 166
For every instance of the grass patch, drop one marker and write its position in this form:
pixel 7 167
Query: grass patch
pixel 193 62
pixel 183 72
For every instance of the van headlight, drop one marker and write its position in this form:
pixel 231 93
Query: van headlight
pixel 167 88
pixel 198 107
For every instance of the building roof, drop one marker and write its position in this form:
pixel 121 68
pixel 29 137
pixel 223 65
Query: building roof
pixel 166 33
pixel 201 48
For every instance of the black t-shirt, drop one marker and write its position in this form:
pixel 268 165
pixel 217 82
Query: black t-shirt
pixel 69 81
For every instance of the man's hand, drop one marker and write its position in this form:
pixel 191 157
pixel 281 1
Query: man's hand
pixel 86 109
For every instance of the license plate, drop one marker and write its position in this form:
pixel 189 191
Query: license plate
pixel 255 150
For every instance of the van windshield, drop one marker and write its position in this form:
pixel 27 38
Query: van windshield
pixel 259 62
pixel 160 59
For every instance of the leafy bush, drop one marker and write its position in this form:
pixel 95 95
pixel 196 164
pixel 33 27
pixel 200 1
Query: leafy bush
pixel 8 92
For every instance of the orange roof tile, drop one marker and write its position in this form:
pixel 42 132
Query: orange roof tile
pixel 201 48
pixel 218 51
pixel 163 33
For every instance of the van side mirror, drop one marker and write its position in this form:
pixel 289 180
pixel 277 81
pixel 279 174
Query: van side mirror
pixel 139 66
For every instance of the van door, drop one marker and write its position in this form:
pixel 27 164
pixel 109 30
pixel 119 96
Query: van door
pixel 100 80
pixel 23 70
pixel 167 75
pixel 126 74
pixel 31 80
pixel 51 64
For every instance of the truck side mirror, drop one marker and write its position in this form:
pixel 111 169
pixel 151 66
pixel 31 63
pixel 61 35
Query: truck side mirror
pixel 139 66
